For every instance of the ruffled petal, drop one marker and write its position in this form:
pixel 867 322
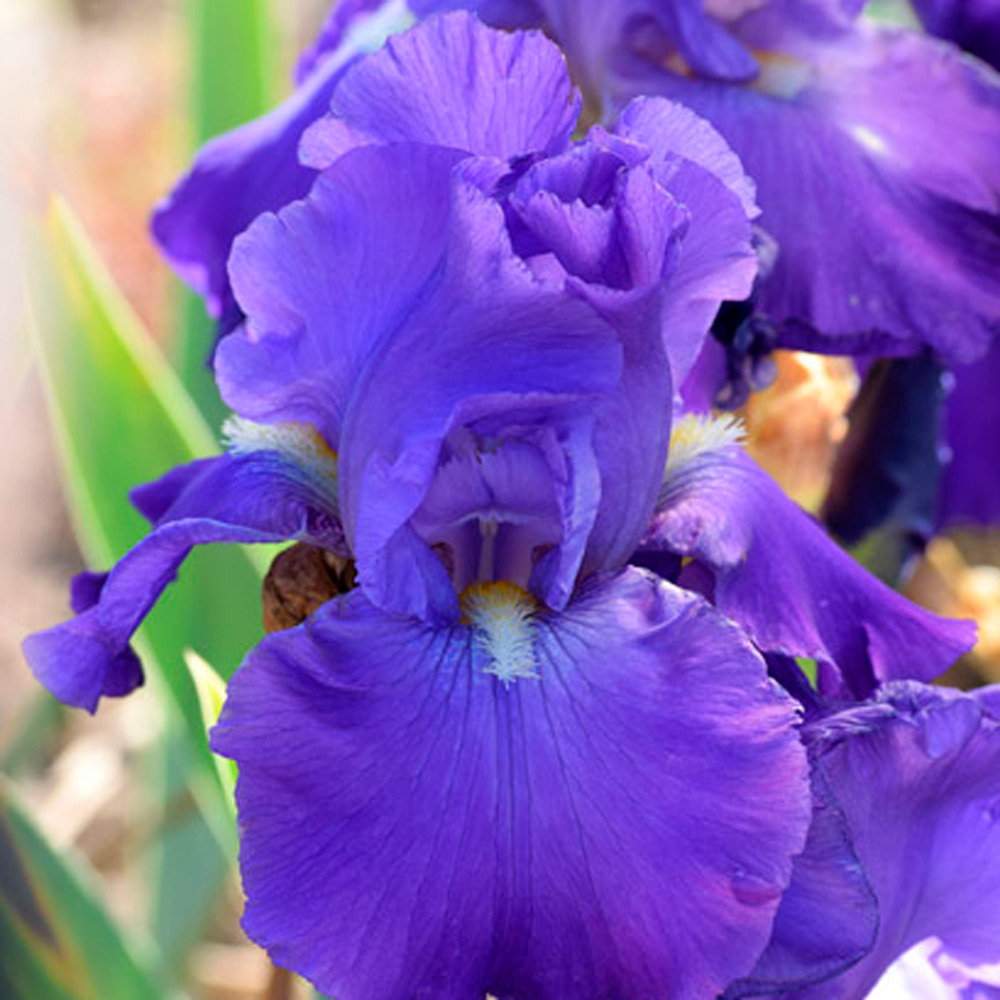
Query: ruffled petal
pixel 828 917
pixel 495 351
pixel 452 82
pixel 777 573
pixel 717 261
pixel 886 246
pixel 613 237
pixel 325 281
pixel 620 825
pixel 917 771
pixel 256 498
pixel 605 219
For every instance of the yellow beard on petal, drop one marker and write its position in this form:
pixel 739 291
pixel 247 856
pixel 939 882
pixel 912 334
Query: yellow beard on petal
pixel 502 615
pixel 300 444
pixel 695 434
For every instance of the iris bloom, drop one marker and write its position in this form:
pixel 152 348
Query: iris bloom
pixel 884 245
pixel 511 760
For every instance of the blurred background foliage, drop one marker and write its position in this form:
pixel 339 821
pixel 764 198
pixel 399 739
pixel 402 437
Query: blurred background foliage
pixel 117 846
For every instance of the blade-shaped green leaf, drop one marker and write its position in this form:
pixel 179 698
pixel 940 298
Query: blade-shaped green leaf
pixel 56 940
pixel 193 854
pixel 192 858
pixel 211 690
pixel 234 62
pixel 121 416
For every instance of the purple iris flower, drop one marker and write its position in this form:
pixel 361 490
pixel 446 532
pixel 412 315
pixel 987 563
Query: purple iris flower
pixel 510 761
pixel 884 245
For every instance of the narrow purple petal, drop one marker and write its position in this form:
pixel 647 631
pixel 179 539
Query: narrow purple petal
pixel 795 591
pixel 255 498
pixel 124 672
pixel 620 825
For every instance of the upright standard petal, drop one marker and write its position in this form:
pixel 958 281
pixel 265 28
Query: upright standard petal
pixel 325 281
pixel 258 497
pixel 619 825
pixel 885 245
pixel 453 82
pixel 494 354
pixel 717 260
pixel 595 221
pixel 917 771
pixel 775 571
